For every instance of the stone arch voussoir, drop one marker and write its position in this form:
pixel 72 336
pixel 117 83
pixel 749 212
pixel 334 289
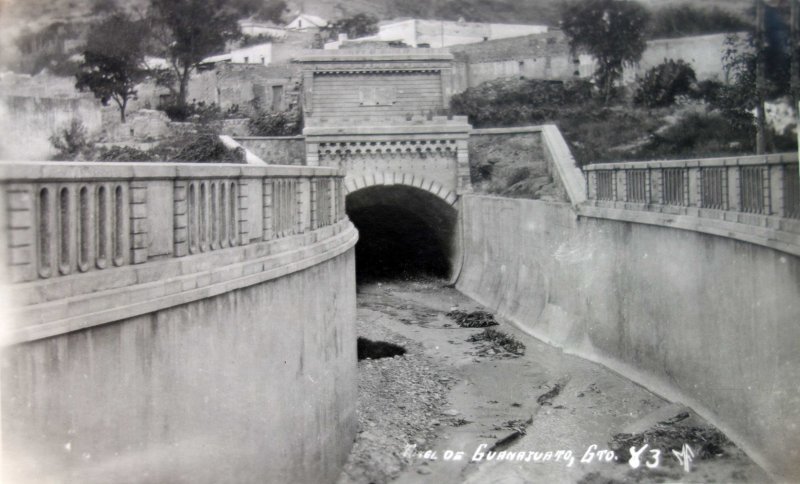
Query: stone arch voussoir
pixel 353 183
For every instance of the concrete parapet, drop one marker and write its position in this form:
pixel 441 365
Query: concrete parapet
pixel 752 198
pixel 75 228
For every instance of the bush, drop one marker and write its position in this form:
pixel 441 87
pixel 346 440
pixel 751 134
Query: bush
pixel 700 135
pixel 204 113
pixel 177 112
pixel 201 147
pixel 71 142
pixel 277 123
pixel 508 102
pixel 123 153
pixel 663 83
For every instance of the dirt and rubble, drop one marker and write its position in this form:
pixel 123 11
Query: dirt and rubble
pixel 449 410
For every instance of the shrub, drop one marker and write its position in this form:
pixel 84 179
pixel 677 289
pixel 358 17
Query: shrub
pixel 205 113
pixel 508 102
pixel 177 112
pixel 663 83
pixel 205 146
pixel 277 123
pixel 72 142
pixel 124 153
pixel 698 135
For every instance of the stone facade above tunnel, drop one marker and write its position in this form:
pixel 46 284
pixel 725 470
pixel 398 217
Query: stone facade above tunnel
pixel 375 85
pixel 378 114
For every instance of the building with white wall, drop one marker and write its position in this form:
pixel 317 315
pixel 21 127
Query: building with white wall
pixel 254 28
pixel 253 54
pixel 440 33
pixel 305 21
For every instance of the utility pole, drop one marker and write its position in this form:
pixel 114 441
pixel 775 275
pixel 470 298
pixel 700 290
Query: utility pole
pixel 760 79
pixel 794 23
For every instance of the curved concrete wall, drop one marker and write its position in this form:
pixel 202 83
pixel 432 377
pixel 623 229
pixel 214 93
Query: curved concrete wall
pixel 698 318
pixel 252 385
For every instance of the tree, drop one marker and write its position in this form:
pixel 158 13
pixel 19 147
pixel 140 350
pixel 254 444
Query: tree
pixel 359 25
pixel 794 22
pixel 662 84
pixel 113 61
pixel 613 31
pixel 188 31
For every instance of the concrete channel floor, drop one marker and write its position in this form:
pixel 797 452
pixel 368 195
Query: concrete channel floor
pixel 562 404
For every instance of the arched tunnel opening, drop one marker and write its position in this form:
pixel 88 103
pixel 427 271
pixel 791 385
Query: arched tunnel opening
pixel 404 233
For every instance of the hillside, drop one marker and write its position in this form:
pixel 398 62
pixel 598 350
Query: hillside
pixel 18 16
pixel 508 11
pixel 36 13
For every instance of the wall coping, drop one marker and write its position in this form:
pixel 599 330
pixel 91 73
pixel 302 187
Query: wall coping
pixel 374 55
pixel 509 130
pixel 277 138
pixel 560 156
pixel 773 159
pixel 72 171
pixel 773 235
pixel 192 278
pixel 432 129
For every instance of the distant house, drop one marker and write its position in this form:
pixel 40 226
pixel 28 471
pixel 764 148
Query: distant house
pixel 439 33
pixel 305 21
pixel 253 28
pixel 253 54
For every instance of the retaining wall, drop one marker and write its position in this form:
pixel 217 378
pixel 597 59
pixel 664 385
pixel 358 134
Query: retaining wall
pixel 276 150
pixel 702 319
pixel 253 385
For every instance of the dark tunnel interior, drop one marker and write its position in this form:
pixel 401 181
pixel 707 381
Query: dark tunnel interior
pixel 404 232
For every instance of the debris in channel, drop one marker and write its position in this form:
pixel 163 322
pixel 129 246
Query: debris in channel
pixel 498 342
pixel 547 398
pixel 706 442
pixel 519 429
pixel 474 319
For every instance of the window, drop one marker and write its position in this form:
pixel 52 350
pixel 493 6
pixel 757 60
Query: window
pixel 277 98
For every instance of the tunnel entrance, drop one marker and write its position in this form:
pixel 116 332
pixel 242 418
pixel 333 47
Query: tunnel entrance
pixel 404 232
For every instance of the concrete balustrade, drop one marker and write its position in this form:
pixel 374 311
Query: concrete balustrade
pixel 753 198
pixel 73 228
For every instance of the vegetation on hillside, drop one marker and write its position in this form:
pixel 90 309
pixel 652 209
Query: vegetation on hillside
pixel 705 121
pixel 687 19
pixel 668 114
pixel 201 144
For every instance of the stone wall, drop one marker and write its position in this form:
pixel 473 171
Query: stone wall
pixel 374 86
pixel 539 56
pixel 547 56
pixel 704 53
pixel 277 150
pixel 702 319
pixel 233 87
pixel 27 122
